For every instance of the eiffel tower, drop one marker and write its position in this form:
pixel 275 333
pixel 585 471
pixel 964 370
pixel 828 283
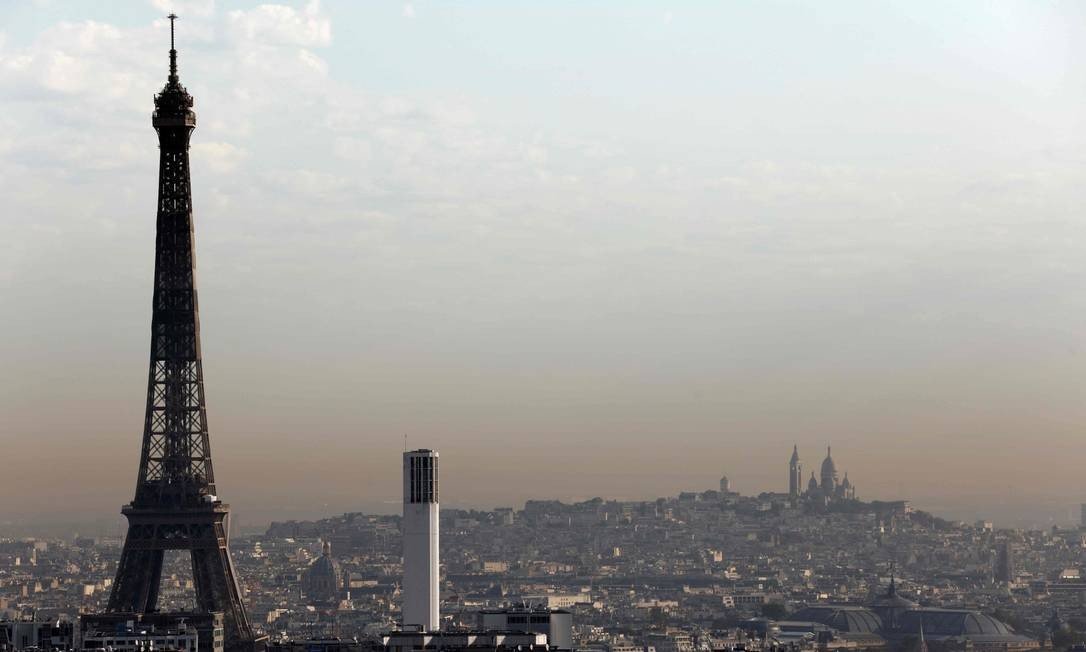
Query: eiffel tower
pixel 176 506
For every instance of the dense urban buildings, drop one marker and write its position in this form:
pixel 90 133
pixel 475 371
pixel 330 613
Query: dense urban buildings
pixel 698 571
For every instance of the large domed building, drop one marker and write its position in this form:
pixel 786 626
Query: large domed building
pixel 897 620
pixel 826 486
pixel 322 580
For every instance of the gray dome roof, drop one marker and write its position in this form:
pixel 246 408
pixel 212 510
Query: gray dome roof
pixel 323 566
pixel 322 578
pixel 952 622
pixel 843 618
pixel 828 467
pixel 892 602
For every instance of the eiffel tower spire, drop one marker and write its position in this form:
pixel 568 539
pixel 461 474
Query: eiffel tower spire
pixel 173 51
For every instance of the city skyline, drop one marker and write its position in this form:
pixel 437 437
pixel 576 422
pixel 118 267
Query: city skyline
pixel 1059 514
pixel 615 307
pixel 388 248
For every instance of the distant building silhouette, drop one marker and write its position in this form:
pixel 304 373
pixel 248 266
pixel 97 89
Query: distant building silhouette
pixel 828 489
pixel 323 580
pixel 795 473
pixel 1004 565
pixel 829 475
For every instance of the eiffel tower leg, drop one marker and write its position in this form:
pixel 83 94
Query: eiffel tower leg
pixel 138 575
pixel 217 589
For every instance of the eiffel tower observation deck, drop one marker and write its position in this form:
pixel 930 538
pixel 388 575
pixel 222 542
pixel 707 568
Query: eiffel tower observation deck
pixel 176 506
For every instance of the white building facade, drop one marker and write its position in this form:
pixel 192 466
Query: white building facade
pixel 421 562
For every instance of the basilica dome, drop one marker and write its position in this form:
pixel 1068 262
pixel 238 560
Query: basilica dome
pixel 829 469
pixel 322 579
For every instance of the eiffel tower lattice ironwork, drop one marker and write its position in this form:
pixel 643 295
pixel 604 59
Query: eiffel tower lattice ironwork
pixel 176 507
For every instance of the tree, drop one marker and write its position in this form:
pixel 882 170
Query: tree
pixel 774 610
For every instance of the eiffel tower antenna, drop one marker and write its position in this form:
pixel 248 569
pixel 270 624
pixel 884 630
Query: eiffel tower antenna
pixel 173 51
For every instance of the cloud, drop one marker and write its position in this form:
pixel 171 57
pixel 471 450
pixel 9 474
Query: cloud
pixel 354 149
pixel 272 113
pixel 220 157
pixel 282 25
pixel 408 11
pixel 90 59
pixel 311 60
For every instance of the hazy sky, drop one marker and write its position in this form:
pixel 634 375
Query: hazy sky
pixel 581 248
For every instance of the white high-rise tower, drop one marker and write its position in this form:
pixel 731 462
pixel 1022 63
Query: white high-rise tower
pixel 421 568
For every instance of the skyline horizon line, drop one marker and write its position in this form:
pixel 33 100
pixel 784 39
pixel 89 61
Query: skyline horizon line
pixel 377 508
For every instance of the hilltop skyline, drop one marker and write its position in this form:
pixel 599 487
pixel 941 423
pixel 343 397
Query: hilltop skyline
pixel 259 518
